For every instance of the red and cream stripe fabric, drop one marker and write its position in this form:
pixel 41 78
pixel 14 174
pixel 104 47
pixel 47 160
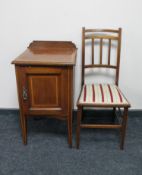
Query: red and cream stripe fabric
pixel 102 94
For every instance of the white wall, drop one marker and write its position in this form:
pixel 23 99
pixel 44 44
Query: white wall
pixel 22 21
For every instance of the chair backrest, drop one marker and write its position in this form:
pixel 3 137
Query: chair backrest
pixel 99 36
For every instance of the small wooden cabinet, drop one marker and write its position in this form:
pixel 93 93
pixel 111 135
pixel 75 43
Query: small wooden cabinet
pixel 44 74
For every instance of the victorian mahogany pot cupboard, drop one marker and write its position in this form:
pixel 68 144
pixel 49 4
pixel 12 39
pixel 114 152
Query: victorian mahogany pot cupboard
pixel 44 73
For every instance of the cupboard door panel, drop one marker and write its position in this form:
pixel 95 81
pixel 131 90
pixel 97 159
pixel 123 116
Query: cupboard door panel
pixel 47 90
pixel 44 90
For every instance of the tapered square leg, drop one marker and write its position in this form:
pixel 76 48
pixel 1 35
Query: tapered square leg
pixel 69 123
pixel 79 114
pixel 123 129
pixel 23 121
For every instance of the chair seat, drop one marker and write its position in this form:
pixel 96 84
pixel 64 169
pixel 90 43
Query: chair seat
pixel 101 95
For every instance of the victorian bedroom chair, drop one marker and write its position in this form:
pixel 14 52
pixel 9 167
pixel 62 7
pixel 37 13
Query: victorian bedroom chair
pixel 101 95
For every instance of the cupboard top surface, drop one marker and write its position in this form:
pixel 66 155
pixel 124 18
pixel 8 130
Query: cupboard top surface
pixel 48 53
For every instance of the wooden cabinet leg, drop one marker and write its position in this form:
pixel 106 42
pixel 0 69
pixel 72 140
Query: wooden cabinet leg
pixel 69 121
pixel 23 121
pixel 79 114
pixel 123 129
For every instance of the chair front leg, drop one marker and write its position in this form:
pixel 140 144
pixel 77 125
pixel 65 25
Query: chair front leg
pixel 79 115
pixel 123 128
pixel 114 114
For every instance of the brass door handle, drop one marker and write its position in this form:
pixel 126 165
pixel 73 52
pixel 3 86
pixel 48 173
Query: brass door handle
pixel 25 94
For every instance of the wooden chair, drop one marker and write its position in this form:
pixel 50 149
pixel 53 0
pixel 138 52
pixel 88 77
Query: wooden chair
pixel 102 95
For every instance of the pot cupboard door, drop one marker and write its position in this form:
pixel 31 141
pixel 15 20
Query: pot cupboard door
pixel 47 90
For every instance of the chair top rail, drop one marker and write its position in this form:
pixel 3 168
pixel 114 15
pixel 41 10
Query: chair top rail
pixel 94 36
pixel 102 30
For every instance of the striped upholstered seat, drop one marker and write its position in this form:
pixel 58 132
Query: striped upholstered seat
pixel 102 94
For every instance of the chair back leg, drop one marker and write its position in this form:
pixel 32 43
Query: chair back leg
pixel 123 128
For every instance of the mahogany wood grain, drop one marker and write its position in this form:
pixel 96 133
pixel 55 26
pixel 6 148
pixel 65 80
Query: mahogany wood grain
pixel 100 66
pixel 83 54
pixel 101 30
pixel 101 50
pixel 99 35
pixel 91 36
pixel 118 56
pixel 100 126
pixel 92 50
pixel 48 53
pixel 44 74
pixel 109 51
